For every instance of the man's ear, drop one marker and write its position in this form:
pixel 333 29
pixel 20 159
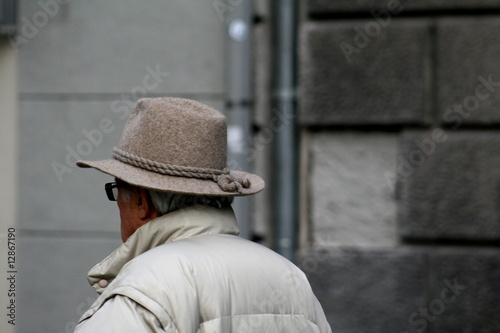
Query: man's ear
pixel 145 208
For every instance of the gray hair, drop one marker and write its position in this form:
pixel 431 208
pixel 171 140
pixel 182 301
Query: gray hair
pixel 166 202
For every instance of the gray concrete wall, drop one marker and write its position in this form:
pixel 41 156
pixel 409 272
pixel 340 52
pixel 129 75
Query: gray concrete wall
pixel 82 64
pixel 399 107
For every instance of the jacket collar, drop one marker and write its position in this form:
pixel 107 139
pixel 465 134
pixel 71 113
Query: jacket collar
pixel 180 224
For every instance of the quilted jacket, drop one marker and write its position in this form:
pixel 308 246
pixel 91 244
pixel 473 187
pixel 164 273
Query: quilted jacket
pixel 188 271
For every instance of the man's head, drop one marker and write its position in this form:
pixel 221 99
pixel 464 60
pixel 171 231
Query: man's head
pixel 138 206
pixel 172 153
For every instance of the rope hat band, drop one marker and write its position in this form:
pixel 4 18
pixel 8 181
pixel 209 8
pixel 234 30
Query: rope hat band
pixel 223 178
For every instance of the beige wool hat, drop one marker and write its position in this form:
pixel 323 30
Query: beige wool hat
pixel 176 145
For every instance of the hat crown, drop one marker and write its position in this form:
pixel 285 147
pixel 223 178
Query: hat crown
pixel 176 131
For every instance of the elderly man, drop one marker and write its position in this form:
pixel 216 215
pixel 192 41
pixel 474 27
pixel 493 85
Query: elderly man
pixel 182 268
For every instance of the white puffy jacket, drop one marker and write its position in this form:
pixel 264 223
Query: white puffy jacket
pixel 188 271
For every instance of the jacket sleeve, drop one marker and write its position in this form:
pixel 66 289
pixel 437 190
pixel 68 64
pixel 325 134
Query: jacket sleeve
pixel 121 314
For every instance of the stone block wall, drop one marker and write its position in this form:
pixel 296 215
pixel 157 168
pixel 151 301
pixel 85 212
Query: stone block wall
pixel 399 103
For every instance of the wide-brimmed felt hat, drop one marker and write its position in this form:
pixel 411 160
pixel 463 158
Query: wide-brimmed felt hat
pixel 176 145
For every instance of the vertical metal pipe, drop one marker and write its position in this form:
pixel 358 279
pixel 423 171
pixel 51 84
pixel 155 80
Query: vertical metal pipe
pixel 285 163
pixel 238 73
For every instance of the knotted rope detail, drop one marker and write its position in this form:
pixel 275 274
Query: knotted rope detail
pixel 223 178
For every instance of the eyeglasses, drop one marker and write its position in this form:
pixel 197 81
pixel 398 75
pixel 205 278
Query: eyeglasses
pixel 111 191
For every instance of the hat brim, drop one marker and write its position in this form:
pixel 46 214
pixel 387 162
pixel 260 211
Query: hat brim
pixel 183 185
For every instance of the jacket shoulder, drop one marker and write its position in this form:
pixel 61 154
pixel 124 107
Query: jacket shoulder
pixel 216 276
